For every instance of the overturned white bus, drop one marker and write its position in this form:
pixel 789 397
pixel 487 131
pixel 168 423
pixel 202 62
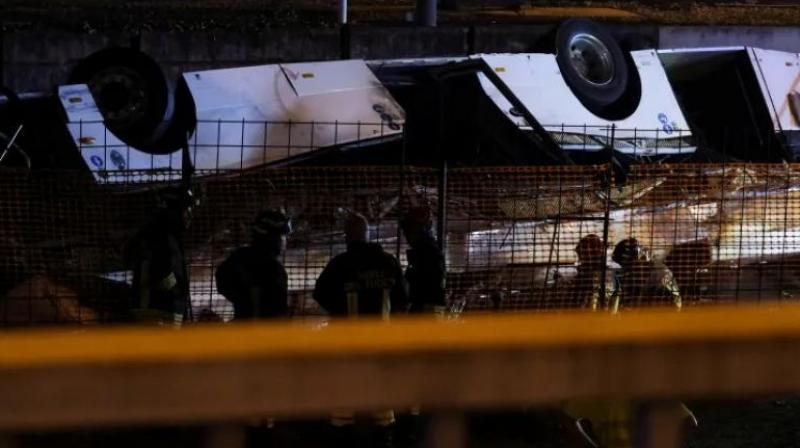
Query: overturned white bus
pixel 588 101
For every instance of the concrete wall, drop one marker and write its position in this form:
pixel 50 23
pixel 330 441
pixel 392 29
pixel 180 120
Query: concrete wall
pixel 180 52
pixel 540 37
pixel 769 37
pixel 400 42
pixel 38 61
pixel 41 60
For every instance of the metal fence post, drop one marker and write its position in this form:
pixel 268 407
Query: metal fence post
pixel 426 12
pixel 2 54
pixel 401 190
pixel 344 30
pixel 342 12
pixel 441 222
pixel 609 176
pixel 443 154
pixel 344 41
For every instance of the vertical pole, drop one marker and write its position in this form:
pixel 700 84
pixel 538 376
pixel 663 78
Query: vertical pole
pixel 342 12
pixel 187 170
pixel 401 189
pixel 441 222
pixel 344 31
pixel 443 154
pixel 2 54
pixel 470 39
pixel 607 217
pixel 426 12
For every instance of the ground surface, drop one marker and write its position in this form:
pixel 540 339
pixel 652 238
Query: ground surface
pixel 744 424
pixel 95 15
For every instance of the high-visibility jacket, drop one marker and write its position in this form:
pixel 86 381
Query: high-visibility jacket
pixel 160 290
pixel 364 280
pixel 588 287
pixel 648 283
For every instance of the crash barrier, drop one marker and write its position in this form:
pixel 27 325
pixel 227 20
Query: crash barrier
pixel 707 233
pixel 238 373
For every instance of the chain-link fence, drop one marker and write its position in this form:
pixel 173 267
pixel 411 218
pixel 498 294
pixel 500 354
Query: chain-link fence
pixel 706 233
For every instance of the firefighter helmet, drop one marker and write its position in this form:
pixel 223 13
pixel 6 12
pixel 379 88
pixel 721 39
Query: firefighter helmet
pixel 590 250
pixel 272 221
pixel 628 251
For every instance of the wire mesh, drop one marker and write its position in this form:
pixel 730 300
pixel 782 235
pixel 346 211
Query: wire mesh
pixel 726 231
pixel 220 145
pixel 533 237
pixel 512 233
pixel 234 145
pixel 637 143
pixel 62 244
pixel 318 200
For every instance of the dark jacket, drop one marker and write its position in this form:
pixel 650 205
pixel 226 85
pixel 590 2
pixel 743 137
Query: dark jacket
pixel 160 274
pixel 255 282
pixel 425 275
pixel 648 283
pixel 365 273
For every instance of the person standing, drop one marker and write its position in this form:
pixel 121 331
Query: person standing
pixel 644 282
pixel 253 278
pixel 362 281
pixel 588 283
pixel 614 423
pixel 426 265
pixel 160 292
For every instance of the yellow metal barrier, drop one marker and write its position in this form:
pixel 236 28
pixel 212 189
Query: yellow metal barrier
pixel 125 376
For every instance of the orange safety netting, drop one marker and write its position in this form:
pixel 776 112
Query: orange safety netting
pixel 707 233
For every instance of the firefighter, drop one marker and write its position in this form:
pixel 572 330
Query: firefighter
pixel 598 422
pixel 613 423
pixel 364 280
pixel 252 278
pixel 425 277
pixel 588 285
pixel 156 255
pixel 426 268
pixel 689 265
pixel 643 281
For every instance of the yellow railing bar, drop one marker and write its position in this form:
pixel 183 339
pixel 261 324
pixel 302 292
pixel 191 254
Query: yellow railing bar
pixel 71 346
pixel 131 376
